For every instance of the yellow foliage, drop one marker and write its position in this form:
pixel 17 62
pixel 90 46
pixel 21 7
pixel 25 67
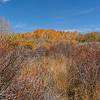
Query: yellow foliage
pixel 27 43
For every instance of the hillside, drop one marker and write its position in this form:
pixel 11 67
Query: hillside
pixel 50 65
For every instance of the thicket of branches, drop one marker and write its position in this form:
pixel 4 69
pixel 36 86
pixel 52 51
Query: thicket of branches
pixel 70 72
pixel 47 66
pixel 5 27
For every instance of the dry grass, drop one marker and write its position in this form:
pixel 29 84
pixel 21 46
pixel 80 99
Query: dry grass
pixel 61 72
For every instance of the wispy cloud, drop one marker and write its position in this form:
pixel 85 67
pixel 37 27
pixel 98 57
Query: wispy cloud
pixel 20 26
pixel 84 29
pixel 71 30
pixel 4 1
pixel 86 11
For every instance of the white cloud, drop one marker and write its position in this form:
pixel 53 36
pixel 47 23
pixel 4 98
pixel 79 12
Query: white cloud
pixel 72 30
pixel 84 29
pixel 4 1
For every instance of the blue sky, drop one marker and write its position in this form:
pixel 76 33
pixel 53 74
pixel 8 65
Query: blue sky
pixel 29 15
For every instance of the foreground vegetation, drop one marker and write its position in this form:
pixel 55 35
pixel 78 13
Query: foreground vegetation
pixel 50 65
